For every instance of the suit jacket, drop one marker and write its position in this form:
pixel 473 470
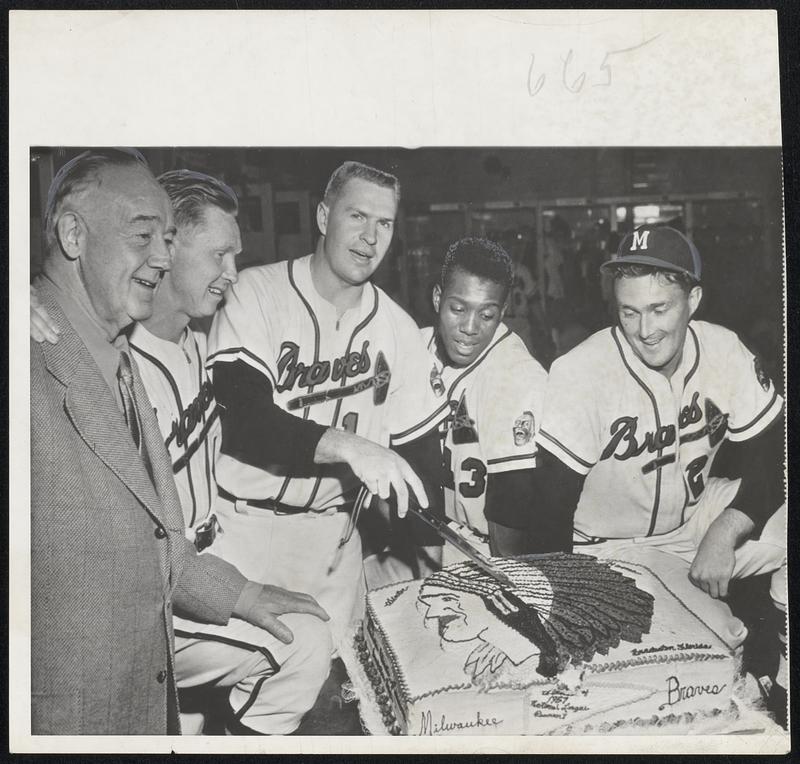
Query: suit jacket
pixel 109 558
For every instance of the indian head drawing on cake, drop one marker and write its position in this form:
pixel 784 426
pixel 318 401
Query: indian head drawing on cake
pixel 562 609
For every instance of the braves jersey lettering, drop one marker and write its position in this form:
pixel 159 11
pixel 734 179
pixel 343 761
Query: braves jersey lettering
pixel 623 431
pixel 364 371
pixel 293 372
pixel 175 378
pixel 493 405
pixel 184 424
pixel 690 414
pixel 646 443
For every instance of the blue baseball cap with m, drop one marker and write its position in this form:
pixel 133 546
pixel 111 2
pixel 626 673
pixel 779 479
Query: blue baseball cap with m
pixel 659 246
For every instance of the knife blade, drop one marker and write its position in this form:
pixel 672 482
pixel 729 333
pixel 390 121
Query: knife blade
pixel 448 533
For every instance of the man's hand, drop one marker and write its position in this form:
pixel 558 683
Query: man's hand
pixel 713 564
pixel 42 326
pixel 379 468
pixel 261 604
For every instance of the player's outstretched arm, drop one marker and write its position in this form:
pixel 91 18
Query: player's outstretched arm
pixel 713 564
pixel 379 468
pixel 261 604
pixel 42 326
pixel 257 432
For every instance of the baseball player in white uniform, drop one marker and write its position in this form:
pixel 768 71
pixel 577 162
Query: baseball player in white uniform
pixel 177 384
pixel 494 391
pixel 316 338
pixel 272 683
pixel 635 415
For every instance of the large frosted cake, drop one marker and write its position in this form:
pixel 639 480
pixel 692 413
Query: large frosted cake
pixel 577 646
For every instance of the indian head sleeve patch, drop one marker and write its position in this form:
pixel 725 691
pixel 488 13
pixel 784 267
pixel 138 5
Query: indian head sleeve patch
pixel 761 375
pixel 523 428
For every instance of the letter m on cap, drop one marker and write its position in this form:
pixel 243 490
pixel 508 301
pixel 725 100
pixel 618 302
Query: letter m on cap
pixel 639 240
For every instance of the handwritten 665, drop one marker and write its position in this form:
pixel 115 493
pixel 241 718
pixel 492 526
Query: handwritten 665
pixel 574 76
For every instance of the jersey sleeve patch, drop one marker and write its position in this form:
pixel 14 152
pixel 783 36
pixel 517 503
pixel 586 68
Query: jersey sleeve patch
pixel 761 375
pixel 753 401
pixel 517 451
pixel 524 428
pixel 508 398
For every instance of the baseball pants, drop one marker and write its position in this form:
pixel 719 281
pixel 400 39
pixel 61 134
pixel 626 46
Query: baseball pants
pixel 298 552
pixel 272 685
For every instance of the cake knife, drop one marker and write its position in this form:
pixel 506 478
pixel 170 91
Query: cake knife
pixel 445 529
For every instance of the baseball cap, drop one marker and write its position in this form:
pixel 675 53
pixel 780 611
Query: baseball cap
pixel 659 246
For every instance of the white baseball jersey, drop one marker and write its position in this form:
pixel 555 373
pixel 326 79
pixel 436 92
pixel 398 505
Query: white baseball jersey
pixel 493 405
pixel 175 378
pixel 366 372
pixel 645 442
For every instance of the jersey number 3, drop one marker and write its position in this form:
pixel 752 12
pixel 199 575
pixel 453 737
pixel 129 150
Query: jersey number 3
pixel 477 478
pixel 476 484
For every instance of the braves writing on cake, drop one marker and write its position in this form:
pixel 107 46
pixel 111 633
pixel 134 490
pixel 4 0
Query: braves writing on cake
pixel 676 692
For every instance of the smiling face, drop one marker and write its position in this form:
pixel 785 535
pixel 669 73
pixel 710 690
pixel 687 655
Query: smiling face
pixel 128 235
pixel 523 429
pixel 470 309
pixel 204 264
pixel 457 614
pixel 653 315
pixel 357 224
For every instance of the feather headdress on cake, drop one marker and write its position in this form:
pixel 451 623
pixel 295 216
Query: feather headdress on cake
pixel 572 606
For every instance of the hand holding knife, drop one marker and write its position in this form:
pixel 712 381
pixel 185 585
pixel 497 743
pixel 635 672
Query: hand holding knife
pixel 445 528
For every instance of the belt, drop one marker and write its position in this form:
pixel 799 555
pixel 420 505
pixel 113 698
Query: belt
pixel 278 507
pixel 581 539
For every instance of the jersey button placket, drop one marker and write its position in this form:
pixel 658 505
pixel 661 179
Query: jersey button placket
pixel 161 676
pixel 160 533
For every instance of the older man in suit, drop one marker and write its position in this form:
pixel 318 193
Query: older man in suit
pixel 109 558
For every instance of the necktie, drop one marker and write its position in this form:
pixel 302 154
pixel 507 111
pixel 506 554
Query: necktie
pixel 125 381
